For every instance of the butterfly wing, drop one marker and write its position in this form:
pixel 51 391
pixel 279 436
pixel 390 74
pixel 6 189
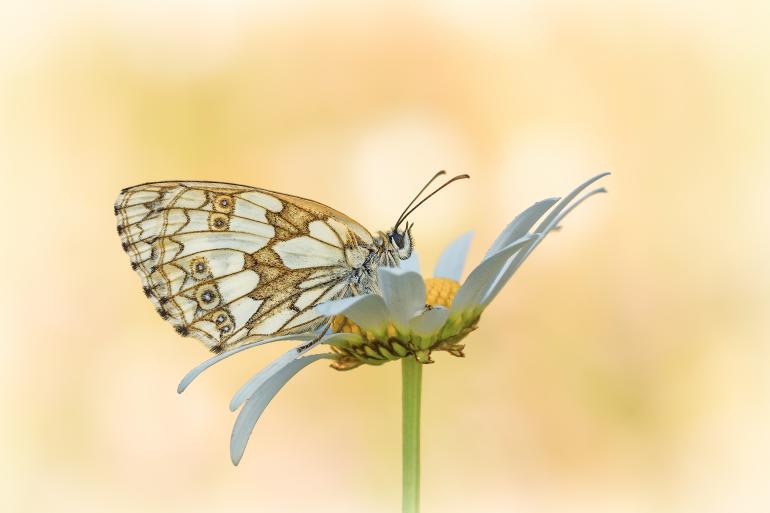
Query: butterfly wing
pixel 230 264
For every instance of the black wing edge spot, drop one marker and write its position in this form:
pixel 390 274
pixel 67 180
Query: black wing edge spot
pixel 182 330
pixel 163 313
pixel 216 349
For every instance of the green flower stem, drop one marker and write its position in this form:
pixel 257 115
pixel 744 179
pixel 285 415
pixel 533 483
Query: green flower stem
pixel 411 389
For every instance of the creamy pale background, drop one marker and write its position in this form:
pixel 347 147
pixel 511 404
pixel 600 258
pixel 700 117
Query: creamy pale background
pixel 624 369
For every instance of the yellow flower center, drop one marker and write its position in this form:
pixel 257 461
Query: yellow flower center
pixel 438 291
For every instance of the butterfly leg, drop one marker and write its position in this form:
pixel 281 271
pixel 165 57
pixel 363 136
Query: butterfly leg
pixel 306 347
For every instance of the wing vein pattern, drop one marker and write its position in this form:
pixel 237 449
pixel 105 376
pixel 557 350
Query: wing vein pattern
pixel 230 264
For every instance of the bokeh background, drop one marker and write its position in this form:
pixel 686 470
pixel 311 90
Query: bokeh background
pixel 624 369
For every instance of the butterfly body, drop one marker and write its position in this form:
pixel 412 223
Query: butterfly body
pixel 230 264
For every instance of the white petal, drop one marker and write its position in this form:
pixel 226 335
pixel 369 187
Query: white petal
pixel 550 222
pixel 336 306
pixel 470 294
pixel 257 403
pixel 404 293
pixel 577 202
pixel 429 322
pixel 261 377
pixel 520 225
pixel 190 376
pixel 411 264
pixel 368 311
pixel 451 262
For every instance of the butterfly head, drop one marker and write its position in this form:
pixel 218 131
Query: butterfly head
pixel 401 241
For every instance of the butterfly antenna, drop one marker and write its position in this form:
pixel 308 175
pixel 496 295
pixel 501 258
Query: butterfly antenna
pixel 402 216
pixel 406 213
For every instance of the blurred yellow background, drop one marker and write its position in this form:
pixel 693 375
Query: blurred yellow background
pixel 624 368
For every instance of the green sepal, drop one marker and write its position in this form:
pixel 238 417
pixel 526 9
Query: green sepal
pixel 399 348
pixel 423 356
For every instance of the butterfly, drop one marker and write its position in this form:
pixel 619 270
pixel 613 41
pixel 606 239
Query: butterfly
pixel 230 264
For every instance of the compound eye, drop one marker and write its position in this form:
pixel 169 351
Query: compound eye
pixel 398 240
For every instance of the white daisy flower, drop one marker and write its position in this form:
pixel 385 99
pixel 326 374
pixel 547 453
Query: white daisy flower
pixel 416 315
pixel 413 317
